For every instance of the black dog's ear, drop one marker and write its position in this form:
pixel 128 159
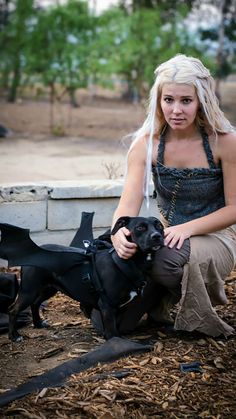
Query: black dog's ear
pixel 158 223
pixel 121 222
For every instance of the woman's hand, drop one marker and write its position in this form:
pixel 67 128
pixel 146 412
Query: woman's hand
pixel 123 247
pixel 176 235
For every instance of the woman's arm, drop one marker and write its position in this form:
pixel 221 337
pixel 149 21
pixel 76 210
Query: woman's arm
pixel 131 198
pixel 222 218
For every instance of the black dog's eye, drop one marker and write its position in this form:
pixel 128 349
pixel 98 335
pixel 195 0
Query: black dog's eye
pixel 141 227
pixel 158 225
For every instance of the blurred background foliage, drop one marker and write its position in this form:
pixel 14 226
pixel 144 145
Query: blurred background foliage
pixel 68 44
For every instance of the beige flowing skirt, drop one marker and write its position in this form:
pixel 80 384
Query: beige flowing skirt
pixel 212 258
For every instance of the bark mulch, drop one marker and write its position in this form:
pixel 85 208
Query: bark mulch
pixel 149 385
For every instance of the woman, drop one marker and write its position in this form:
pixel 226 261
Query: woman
pixel 190 148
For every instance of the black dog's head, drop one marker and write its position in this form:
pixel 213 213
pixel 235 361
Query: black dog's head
pixel 146 232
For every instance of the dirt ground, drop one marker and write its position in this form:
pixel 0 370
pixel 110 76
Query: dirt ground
pixel 93 146
pixel 151 385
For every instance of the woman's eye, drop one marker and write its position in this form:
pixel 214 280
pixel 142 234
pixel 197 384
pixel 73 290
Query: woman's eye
pixel 168 99
pixel 186 101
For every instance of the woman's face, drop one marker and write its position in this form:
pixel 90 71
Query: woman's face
pixel 179 104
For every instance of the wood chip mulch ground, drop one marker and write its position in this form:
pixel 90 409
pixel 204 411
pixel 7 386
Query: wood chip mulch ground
pixel 149 385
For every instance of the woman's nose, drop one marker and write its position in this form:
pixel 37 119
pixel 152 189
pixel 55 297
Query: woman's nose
pixel 177 108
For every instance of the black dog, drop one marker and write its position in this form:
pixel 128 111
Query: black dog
pixel 96 277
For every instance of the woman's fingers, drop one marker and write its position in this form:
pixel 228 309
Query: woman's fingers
pixel 124 248
pixel 174 236
pixel 125 253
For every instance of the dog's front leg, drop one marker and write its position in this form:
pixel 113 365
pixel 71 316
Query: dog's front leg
pixel 108 314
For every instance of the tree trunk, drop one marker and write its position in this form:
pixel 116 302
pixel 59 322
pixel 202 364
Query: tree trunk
pixel 73 101
pixel 15 82
pixel 220 52
pixel 52 99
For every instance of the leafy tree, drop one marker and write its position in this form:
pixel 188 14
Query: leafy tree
pixel 47 44
pixel 67 45
pixel 108 30
pixel 14 41
pixel 4 14
pixel 140 41
pixel 58 55
pixel 165 6
pixel 219 38
pixel 224 34
pixel 59 46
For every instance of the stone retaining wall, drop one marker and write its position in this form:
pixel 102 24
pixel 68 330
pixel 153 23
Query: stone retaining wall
pixel 52 210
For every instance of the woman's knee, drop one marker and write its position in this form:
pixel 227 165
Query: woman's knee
pixel 168 265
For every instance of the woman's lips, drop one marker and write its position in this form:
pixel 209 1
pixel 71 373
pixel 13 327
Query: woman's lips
pixel 177 121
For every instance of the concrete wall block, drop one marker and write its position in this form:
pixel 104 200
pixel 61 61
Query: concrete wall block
pixel 85 189
pixel 23 193
pixel 32 215
pixel 66 214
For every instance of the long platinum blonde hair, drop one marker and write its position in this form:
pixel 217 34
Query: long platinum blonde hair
pixel 185 70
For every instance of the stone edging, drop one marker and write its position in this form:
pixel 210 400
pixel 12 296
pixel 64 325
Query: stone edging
pixel 52 210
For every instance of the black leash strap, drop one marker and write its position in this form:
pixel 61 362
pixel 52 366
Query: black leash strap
pixel 109 351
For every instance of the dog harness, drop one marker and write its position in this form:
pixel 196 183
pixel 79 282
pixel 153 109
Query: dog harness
pixel 17 247
pixel 185 194
pixel 128 268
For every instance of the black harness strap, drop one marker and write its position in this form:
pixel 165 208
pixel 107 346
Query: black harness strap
pixel 128 268
pixel 95 277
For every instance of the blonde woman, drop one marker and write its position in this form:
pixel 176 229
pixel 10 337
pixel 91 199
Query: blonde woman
pixel 189 146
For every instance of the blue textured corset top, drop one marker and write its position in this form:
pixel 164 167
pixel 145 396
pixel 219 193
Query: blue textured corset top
pixel 185 194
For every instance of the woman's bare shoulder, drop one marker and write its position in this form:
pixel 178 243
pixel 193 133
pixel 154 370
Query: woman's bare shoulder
pixel 227 145
pixel 138 148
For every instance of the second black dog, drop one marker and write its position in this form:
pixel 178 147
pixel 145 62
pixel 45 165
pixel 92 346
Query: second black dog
pixel 97 280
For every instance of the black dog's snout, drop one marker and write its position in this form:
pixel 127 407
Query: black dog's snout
pixel 156 239
pixel 155 235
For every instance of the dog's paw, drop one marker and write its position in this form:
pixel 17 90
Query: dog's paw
pixel 16 338
pixel 42 324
